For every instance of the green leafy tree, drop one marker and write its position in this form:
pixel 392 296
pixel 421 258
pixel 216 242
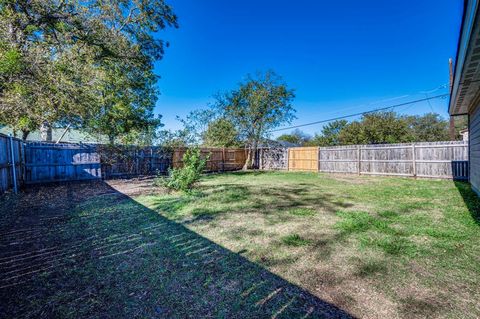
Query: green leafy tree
pixel 460 124
pixel 195 125
pixel 61 60
pixel 429 127
pixel 377 128
pixel 147 136
pixel 330 134
pixel 259 105
pixel 352 134
pixel 173 139
pixel 221 133
pixel 127 101
pixel 296 137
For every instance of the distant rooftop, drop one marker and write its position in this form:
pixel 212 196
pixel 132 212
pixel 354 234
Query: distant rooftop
pixel 71 136
pixel 274 143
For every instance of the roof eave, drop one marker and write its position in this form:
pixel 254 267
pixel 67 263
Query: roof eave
pixel 468 21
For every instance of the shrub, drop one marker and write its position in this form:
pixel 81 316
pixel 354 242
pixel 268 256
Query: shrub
pixel 184 178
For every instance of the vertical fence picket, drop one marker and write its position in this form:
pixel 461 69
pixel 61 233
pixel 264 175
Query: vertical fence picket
pixel 359 160
pixel 414 161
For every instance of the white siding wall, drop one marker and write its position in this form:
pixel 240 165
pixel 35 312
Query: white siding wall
pixel 474 133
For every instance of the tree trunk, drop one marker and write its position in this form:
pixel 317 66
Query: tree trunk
pixel 252 150
pixel 25 134
pixel 247 161
pixel 46 131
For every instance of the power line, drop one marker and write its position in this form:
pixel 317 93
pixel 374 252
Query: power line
pixel 361 113
pixel 384 101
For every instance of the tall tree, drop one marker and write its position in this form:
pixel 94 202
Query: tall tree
pixel 221 133
pixel 127 98
pixel 195 124
pixel 260 104
pixel 377 128
pixel 57 58
pixel 330 134
pixel 429 127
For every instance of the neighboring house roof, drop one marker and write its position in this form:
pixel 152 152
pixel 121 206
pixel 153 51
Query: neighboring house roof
pixel 273 143
pixel 71 136
pixel 466 80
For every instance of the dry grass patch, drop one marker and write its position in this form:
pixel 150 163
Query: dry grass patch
pixel 347 240
pixel 244 245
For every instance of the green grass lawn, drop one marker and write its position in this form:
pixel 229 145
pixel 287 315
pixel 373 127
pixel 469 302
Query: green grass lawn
pixel 374 246
pixel 244 245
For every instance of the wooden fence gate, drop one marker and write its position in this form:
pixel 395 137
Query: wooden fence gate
pixel 45 162
pixel 303 159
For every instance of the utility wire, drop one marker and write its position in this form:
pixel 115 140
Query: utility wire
pixel 360 113
pixel 384 101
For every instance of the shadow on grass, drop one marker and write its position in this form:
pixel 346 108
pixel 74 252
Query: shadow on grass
pixel 90 251
pixel 471 199
pixel 280 203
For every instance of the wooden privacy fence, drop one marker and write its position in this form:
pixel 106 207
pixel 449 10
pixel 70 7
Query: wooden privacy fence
pixel 49 162
pixel 126 161
pixel 219 159
pixel 41 162
pixel 303 159
pixel 435 159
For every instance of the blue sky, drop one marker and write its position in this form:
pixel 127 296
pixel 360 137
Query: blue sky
pixel 341 57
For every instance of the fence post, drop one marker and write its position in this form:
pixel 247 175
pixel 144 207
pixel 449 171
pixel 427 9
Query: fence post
pixel 359 159
pixel 14 171
pixel 414 160
pixel 136 161
pixel 23 161
pixel 260 158
pixel 223 159
pixel 151 160
pixel 319 153
pixel 318 158
pixel 288 159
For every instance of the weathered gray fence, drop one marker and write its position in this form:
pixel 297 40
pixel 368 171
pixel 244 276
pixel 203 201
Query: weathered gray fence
pixel 434 160
pixel 41 162
pixel 6 162
pixel 272 158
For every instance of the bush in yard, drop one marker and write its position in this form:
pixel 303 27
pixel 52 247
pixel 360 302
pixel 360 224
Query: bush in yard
pixel 185 178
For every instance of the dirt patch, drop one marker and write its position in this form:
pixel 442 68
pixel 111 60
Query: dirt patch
pixel 136 186
pixel 243 245
pixel 89 251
